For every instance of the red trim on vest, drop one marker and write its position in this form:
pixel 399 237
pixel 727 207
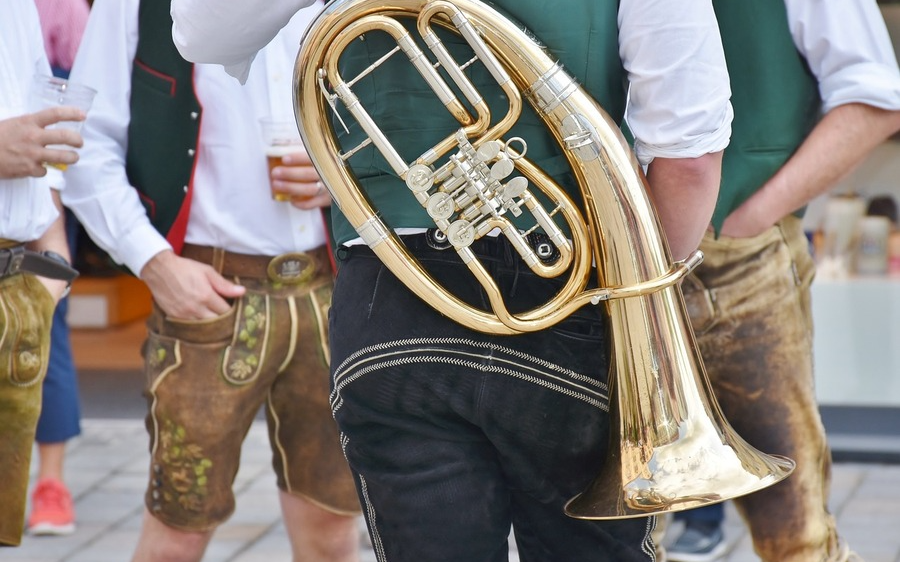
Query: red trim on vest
pixel 160 75
pixel 328 240
pixel 176 234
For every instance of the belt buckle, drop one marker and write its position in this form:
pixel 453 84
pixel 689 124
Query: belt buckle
pixel 294 268
pixel 13 261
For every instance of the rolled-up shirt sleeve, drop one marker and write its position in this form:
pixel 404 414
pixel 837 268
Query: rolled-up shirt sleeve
pixel 849 50
pixel 679 90
pixel 97 187
pixel 229 33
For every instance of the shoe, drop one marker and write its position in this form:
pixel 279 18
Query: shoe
pixel 52 512
pixel 698 543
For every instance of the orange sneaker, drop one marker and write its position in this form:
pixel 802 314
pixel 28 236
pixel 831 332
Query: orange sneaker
pixel 52 512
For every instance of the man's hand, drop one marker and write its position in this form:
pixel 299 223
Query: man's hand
pixel 24 140
pixel 299 179
pixel 186 289
pixel 748 221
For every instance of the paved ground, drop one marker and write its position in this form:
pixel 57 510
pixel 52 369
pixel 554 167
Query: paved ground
pixel 106 470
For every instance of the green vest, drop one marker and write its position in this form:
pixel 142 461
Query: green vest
pixel 584 41
pixel 165 124
pixel 775 97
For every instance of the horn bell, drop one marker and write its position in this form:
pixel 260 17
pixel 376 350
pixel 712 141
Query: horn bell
pixel 673 449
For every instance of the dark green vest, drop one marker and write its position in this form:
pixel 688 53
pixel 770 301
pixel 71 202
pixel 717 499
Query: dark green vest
pixel 165 124
pixel 585 41
pixel 775 97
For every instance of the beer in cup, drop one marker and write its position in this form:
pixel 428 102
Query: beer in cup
pixel 279 138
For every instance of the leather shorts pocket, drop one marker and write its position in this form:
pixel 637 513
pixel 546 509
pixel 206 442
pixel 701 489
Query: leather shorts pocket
pixel 243 358
pixel 26 314
pixel 700 304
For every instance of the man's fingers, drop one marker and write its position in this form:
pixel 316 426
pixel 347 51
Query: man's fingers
pixel 319 199
pixel 53 115
pixel 57 156
pixel 224 289
pixel 62 136
pixel 296 174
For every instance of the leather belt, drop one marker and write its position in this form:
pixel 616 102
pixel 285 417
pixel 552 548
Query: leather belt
pixel 293 268
pixel 19 260
pixel 434 239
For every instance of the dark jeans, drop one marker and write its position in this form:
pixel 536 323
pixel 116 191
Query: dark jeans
pixel 61 406
pixel 454 435
pixel 714 513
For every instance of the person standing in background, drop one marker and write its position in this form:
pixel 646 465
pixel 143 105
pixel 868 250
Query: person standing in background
pixel 34 270
pixel 52 508
pixel 241 282
pixel 815 88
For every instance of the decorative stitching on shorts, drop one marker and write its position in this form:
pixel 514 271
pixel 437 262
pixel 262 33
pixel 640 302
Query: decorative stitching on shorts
pixel 377 545
pixel 27 363
pixel 243 359
pixel 423 350
pixel 475 343
pixel 295 329
pixel 648 546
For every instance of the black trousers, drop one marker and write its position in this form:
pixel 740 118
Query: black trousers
pixel 455 435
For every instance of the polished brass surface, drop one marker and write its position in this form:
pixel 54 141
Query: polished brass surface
pixel 673 449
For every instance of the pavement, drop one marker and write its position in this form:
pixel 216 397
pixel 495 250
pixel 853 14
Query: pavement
pixel 106 471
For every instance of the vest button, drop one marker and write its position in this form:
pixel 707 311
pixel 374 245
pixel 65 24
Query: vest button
pixel 191 152
pixel 185 189
pixel 194 115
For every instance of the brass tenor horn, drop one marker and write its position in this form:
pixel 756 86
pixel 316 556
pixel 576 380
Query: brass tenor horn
pixel 673 449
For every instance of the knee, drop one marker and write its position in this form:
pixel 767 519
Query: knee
pixel 320 534
pixel 162 543
pixel 335 537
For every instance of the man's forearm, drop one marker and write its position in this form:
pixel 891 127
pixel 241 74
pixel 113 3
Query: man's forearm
pixel 54 238
pixel 684 191
pixel 837 145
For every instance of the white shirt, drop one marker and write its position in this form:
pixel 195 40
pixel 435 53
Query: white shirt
pixel 231 207
pixel 678 105
pixel 848 49
pixel 26 205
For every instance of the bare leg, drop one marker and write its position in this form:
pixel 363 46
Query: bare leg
pixel 160 543
pixel 319 535
pixel 50 460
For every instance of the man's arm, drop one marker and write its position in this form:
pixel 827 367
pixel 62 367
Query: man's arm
pixel 684 192
pixel 840 142
pixel 678 110
pixel 54 240
pixel 98 189
pixel 229 33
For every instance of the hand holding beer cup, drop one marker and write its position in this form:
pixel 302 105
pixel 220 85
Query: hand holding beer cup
pixel 50 93
pixel 292 176
pixel 27 141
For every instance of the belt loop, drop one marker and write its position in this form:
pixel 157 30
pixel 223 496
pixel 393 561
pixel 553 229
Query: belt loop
pixel 218 259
